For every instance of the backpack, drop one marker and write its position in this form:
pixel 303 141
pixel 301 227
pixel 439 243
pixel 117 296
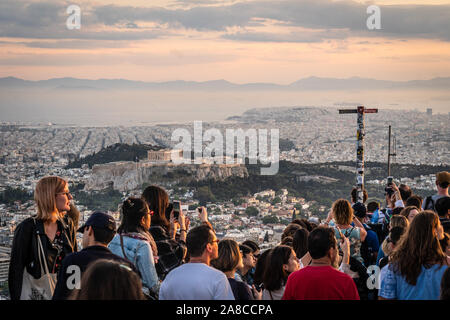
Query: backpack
pixel 378 229
pixel 361 281
pixel 366 253
pixel 427 206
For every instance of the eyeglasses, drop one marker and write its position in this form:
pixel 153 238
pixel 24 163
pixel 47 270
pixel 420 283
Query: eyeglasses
pixel 217 240
pixel 68 194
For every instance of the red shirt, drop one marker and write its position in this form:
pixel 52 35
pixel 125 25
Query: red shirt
pixel 320 283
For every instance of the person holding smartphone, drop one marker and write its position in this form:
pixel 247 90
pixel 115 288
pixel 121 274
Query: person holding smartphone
pixel 178 221
pixel 171 250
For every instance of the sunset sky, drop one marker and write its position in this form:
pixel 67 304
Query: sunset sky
pixel 239 41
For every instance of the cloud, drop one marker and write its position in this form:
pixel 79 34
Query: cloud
pixel 104 59
pixel 419 21
pixel 305 36
pixel 47 20
pixel 69 44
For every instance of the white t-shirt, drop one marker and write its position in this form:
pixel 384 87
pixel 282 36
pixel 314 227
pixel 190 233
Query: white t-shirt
pixel 195 281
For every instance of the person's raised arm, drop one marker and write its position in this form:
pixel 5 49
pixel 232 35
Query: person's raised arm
pixel 184 225
pixel 173 226
pixel 329 218
pixel 345 247
pixel 203 216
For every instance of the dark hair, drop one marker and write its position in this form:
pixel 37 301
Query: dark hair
pixel 287 241
pixel 229 256
pixel 133 210
pixel 260 267
pixel 372 206
pixel 395 234
pixel 158 201
pixel 445 242
pixel 418 247
pixel 274 275
pixel 252 244
pixel 300 242
pixel 289 231
pixel 405 191
pixel 445 285
pixel 300 223
pixel 109 280
pixel 320 240
pixel 197 239
pixel 442 206
pixel 103 235
pixel 354 195
pixel 397 210
pixel 245 249
pixel 415 200
pixel 310 226
pixel 443 185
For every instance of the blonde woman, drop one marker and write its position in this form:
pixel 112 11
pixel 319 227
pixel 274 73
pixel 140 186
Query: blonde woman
pixel 50 228
pixel 342 214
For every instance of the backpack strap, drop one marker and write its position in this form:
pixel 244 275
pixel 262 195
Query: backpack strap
pixel 350 233
pixel 427 203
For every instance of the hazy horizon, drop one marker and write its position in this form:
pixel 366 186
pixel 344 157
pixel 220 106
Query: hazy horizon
pixel 241 41
pixel 141 107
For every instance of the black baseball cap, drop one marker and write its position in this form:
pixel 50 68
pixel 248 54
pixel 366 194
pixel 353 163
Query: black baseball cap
pixel 99 220
pixel 359 209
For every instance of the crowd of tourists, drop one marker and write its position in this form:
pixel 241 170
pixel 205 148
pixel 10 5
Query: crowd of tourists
pixel 361 251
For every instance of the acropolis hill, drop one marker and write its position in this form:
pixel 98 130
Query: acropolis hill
pixel 157 169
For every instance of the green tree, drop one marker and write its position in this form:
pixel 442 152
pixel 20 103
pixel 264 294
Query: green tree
pixel 276 200
pixel 204 195
pixel 15 194
pixel 270 219
pixel 251 212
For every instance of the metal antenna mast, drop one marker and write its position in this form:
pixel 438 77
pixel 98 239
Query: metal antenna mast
pixel 360 133
pixel 389 152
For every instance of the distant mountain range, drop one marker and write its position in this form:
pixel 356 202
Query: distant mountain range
pixel 310 83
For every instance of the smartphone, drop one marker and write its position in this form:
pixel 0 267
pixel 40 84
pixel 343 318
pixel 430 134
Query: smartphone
pixel 389 180
pixel 176 209
pixel 168 211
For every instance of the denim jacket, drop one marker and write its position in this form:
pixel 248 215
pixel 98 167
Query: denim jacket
pixel 139 252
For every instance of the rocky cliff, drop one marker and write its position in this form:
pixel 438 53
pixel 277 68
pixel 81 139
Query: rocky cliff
pixel 126 175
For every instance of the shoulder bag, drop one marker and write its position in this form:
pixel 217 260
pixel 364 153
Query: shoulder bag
pixel 43 287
